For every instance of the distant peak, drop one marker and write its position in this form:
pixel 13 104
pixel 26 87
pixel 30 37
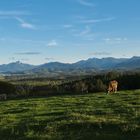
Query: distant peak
pixel 136 57
pixel 16 62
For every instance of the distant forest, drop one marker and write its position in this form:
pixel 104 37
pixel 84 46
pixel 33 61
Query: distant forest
pixel 73 85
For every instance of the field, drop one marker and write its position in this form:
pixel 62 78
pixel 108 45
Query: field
pixel 72 117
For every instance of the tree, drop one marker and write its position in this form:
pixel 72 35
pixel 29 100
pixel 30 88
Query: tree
pixel 99 86
pixel 81 87
pixel 112 75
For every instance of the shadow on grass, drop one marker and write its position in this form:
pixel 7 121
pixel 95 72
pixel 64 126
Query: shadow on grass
pixel 90 131
pixel 15 111
pixel 68 131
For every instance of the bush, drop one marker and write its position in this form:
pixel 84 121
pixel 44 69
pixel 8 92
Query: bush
pixel 7 88
pixel 23 90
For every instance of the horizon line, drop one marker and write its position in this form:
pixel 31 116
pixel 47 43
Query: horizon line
pixel 20 61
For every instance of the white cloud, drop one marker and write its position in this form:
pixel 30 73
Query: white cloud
pixel 115 40
pixel 28 53
pixel 15 15
pixel 27 25
pixel 24 24
pixel 86 3
pixel 52 43
pixel 96 20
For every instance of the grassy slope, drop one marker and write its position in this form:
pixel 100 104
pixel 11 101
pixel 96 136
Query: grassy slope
pixel 98 116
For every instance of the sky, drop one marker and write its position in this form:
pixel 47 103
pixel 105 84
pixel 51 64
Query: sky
pixel 42 31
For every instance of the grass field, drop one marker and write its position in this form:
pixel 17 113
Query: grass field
pixel 76 117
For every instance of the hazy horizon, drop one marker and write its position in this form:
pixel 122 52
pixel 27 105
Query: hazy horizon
pixel 68 62
pixel 42 31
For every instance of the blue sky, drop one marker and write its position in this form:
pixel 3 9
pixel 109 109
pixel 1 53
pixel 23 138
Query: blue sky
pixel 40 31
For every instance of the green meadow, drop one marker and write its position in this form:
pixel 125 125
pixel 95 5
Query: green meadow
pixel 72 117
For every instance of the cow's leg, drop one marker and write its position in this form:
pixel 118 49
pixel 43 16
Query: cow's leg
pixel 108 92
pixel 114 90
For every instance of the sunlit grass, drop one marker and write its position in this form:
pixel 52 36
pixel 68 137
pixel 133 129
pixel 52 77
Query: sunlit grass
pixel 91 116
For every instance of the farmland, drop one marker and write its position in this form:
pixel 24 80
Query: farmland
pixel 72 117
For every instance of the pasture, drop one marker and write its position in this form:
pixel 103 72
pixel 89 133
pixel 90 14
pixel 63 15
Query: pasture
pixel 72 117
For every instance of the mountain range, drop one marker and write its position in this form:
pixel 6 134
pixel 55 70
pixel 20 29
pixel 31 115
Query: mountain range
pixel 91 64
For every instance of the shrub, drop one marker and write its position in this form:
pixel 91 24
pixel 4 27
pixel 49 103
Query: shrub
pixel 7 88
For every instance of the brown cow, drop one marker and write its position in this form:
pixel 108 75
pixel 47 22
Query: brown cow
pixel 112 87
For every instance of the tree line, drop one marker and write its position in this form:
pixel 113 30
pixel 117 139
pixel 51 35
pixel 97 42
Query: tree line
pixel 90 84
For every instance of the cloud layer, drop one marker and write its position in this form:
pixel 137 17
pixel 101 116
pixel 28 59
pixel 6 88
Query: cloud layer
pixel 28 53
